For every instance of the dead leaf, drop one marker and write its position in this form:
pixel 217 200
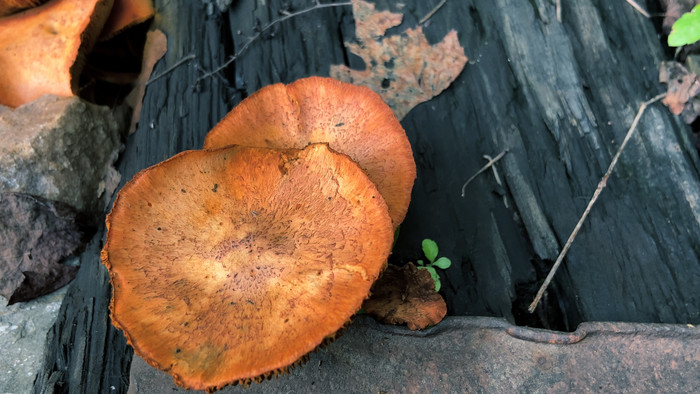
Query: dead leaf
pixel 405 70
pixel 674 10
pixel 35 235
pixel 683 89
pixel 154 49
pixel 406 295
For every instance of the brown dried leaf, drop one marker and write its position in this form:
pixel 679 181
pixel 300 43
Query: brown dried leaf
pixel 154 49
pixel 406 295
pixel 683 89
pixel 674 10
pixel 35 235
pixel 405 69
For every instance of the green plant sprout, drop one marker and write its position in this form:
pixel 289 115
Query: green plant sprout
pixel 686 30
pixel 430 250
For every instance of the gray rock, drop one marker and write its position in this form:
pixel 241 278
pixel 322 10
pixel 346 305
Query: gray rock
pixel 59 149
pixel 23 328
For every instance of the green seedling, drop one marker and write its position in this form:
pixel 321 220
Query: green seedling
pixel 430 250
pixel 686 30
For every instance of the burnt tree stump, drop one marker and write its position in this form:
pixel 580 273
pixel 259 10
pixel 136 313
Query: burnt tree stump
pixel 559 96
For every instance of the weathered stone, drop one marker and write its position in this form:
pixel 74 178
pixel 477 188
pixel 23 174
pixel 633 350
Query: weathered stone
pixel 23 329
pixel 59 149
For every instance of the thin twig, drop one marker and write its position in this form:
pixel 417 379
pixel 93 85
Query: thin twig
pixel 493 168
pixel 638 8
pixel 257 35
pixel 598 190
pixel 432 12
pixel 484 168
pixel 558 8
pixel 498 179
pixel 170 69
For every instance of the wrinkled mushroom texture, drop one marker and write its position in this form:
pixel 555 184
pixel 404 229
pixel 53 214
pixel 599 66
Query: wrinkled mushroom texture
pixel 351 119
pixel 42 49
pixel 231 263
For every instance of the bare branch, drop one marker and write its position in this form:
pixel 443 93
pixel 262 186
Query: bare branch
pixel 638 8
pixel 266 27
pixel 171 68
pixel 598 190
pixel 432 12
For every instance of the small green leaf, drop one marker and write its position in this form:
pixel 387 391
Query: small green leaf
pixel 443 262
pixel 421 263
pixel 686 30
pixel 434 275
pixel 430 249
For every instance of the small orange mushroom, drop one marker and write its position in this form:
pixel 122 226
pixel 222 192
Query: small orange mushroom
pixel 41 49
pixel 351 119
pixel 232 264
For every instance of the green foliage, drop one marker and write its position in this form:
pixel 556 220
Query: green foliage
pixel 686 30
pixel 430 250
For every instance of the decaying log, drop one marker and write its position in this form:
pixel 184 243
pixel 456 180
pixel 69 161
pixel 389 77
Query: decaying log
pixel 558 96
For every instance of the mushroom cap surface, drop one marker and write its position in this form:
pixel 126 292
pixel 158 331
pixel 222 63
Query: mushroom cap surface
pixel 8 7
pixel 41 48
pixel 352 119
pixel 232 263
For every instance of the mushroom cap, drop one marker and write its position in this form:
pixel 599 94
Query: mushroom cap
pixel 351 119
pixel 8 7
pixel 126 13
pixel 233 263
pixel 41 48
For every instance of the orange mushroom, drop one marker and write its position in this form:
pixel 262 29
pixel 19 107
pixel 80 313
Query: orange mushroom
pixel 351 119
pixel 41 49
pixel 232 264
pixel 126 13
pixel 8 7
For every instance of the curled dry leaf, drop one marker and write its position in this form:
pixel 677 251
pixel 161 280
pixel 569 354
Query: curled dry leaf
pixel 674 10
pixel 35 235
pixel 404 69
pixel 683 89
pixel 406 295
pixel 154 49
